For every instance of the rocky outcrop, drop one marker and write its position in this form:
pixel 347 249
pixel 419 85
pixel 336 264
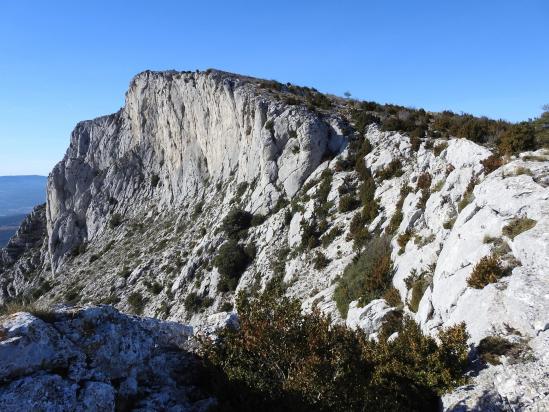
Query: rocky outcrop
pixel 177 135
pixel 24 257
pixel 96 359
pixel 135 209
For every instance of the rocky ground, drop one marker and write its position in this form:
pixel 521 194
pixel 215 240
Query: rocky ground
pixel 96 359
pixel 135 211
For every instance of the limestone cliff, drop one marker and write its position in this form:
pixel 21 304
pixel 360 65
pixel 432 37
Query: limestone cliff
pixel 135 219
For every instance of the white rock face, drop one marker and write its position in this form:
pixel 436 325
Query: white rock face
pixel 135 209
pixel 93 358
pixel 182 130
pixel 368 318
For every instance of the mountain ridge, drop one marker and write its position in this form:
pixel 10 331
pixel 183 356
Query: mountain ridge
pixel 150 205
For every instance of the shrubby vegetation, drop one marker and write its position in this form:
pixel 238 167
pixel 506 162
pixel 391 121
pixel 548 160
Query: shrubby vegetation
pixel 231 261
pixel 487 270
pixel 236 223
pixel 367 277
pixel 280 359
pixel 195 303
pixel 517 226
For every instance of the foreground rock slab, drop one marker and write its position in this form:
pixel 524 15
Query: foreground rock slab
pixel 95 359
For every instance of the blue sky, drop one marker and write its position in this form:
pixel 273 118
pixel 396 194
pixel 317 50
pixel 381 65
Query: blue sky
pixel 65 61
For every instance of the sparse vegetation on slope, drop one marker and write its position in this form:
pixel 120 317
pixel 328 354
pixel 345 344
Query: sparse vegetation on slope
pixel 367 277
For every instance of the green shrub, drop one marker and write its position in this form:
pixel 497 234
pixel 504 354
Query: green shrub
pixel 198 208
pixel 347 203
pixel 329 237
pixel 366 194
pixel 488 270
pixel 518 138
pixel 362 119
pixel 449 224
pixel 320 261
pixel 236 223
pixel 397 217
pixel 195 303
pixel 419 286
pixel 358 231
pixel 226 307
pixel 517 226
pixel 309 234
pixel 361 151
pixel 154 180
pixel 415 140
pixel 137 302
pixel 154 287
pixel 231 261
pixel 115 220
pixel 280 359
pixel 467 198
pixel 393 169
pixel 492 347
pixel 241 189
pixel 258 219
pixel 367 277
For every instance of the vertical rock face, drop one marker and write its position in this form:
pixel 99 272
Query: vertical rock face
pixel 177 133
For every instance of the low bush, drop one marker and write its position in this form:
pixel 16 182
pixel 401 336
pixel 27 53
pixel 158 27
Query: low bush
pixel 236 223
pixel 115 220
pixel 404 238
pixel 491 163
pixel 449 224
pixel 280 359
pixel 231 261
pixel 439 148
pixel 392 297
pixel 488 270
pixel 329 237
pixel 419 286
pixel 424 181
pixel 397 217
pixel 320 261
pixel 137 302
pixel 467 198
pixel 155 179
pixel 366 193
pixel 367 277
pixel 492 347
pixel 358 231
pixel 518 138
pixel 517 226
pixel 195 303
pixel 393 169
pixel 258 219
pixel 310 234
pixel 347 203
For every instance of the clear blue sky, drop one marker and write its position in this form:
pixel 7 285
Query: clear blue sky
pixel 65 61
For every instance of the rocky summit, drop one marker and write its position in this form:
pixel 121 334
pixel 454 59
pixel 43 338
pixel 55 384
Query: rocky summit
pixel 207 185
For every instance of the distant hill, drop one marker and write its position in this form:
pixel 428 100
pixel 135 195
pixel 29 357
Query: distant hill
pixel 19 194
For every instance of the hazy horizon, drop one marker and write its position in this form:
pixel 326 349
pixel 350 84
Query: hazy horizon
pixel 68 62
